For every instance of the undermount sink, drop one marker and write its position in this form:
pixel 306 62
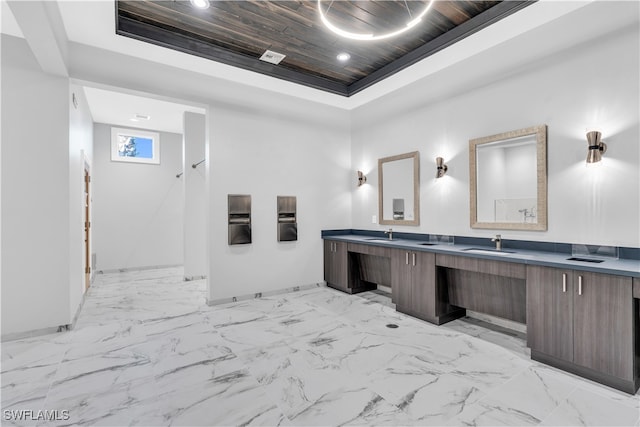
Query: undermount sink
pixel 379 239
pixel 488 251
pixel 427 244
pixel 594 260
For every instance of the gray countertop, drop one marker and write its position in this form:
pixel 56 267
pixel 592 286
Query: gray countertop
pixel 622 267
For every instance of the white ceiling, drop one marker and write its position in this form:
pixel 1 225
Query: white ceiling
pixel 119 108
pixel 9 24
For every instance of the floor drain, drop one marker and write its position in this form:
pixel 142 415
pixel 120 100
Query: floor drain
pixel 392 325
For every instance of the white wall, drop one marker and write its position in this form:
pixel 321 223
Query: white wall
pixel 195 196
pixel 80 156
pixel 594 84
pixel 35 193
pixel 260 143
pixel 302 152
pixel 137 208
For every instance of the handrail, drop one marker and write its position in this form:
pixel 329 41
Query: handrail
pixel 195 165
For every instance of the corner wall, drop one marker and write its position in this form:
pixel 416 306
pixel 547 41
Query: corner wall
pixel 303 152
pixel 590 85
pixel 35 193
pixel 137 208
pixel 195 195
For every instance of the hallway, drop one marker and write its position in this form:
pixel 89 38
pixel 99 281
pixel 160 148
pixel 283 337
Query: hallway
pixel 147 350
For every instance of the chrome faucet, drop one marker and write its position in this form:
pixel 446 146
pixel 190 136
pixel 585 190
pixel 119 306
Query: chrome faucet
pixel 498 240
pixel 390 233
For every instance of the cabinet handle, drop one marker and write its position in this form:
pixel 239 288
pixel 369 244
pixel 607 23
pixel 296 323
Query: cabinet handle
pixel 406 258
pixel 413 257
pixel 564 282
pixel 579 285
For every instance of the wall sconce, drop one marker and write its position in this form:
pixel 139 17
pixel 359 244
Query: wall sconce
pixel 441 167
pixel 596 147
pixel 361 178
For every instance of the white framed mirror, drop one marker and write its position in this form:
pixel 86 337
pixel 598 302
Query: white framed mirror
pixel 399 189
pixel 508 180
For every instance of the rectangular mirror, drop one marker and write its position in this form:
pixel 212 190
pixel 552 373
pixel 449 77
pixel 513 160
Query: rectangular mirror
pixel 399 189
pixel 508 180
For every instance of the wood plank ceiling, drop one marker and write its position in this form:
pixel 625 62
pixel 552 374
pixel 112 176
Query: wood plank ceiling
pixel 239 32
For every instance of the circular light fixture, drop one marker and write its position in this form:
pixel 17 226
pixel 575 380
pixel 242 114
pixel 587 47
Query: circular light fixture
pixel 369 36
pixel 200 4
pixel 343 56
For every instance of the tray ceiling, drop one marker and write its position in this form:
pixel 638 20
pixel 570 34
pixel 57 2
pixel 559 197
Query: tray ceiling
pixel 237 33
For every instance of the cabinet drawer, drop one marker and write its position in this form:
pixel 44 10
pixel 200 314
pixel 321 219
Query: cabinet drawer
pixel 457 262
pixel 501 268
pixel 496 268
pixel 369 250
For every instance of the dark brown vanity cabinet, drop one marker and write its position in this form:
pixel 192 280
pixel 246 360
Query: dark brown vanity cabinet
pixel 583 322
pixel 413 281
pixel 336 266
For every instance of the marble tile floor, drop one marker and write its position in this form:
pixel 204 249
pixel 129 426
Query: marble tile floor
pixel 147 350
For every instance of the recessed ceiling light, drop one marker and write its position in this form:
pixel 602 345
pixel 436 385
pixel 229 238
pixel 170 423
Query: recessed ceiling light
pixel 137 117
pixel 200 4
pixel 343 56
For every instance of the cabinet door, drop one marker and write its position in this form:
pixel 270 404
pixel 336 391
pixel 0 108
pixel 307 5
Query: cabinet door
pixel 401 278
pixel 340 265
pixel 550 311
pixel 335 264
pixel 424 284
pixel 603 323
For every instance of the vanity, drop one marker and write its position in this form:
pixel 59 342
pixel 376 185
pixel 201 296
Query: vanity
pixel 580 316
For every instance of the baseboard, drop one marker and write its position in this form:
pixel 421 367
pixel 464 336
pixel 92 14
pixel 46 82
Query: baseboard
pixel 627 385
pixel 264 294
pixel 48 330
pixel 143 268
pixel 436 320
pixel 362 286
pixel 29 334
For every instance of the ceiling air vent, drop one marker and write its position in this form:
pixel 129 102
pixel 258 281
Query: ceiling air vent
pixel 142 116
pixel 272 57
